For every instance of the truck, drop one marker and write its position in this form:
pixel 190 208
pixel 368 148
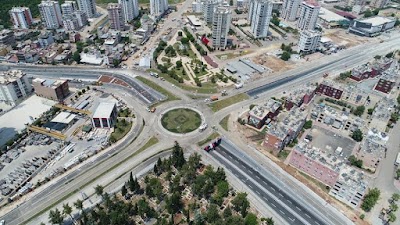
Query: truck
pixel 238 85
pixel 214 98
pixel 397 162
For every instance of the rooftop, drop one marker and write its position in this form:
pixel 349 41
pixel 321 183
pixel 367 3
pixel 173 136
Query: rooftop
pixel 292 121
pixel 194 20
pixel 104 110
pixel 377 20
pixel 48 82
pixel 63 117
pixel 330 16
pixel 10 76
pixel 262 111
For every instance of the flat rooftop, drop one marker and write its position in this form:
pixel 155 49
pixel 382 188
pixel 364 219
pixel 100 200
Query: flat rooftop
pixel 104 110
pixel 377 20
pixel 63 117
pixel 330 16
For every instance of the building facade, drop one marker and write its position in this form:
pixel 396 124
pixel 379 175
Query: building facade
pixel 56 90
pixel 89 7
pixel 289 9
pixel 371 27
pixel 105 115
pixel 68 7
pixel 330 91
pixel 158 8
pixel 220 26
pixel 14 87
pixel 208 10
pixel 308 15
pixel 379 3
pixel 21 17
pixel 50 13
pixel 7 37
pixel 261 12
pixel 130 9
pixel 116 16
pixel 309 41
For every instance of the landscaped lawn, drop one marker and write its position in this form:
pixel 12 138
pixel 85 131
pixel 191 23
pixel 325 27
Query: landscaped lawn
pixel 216 106
pixel 208 139
pixel 224 122
pixel 170 96
pixel 120 130
pixel 181 120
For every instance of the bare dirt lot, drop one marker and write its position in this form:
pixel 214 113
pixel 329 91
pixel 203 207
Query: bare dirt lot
pixel 272 62
pixel 340 37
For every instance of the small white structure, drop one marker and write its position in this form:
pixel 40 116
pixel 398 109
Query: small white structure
pixel 105 115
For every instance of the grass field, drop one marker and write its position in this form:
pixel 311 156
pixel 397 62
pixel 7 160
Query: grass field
pixel 181 120
pixel 224 122
pixel 208 139
pixel 218 105
pixel 121 129
pixel 170 96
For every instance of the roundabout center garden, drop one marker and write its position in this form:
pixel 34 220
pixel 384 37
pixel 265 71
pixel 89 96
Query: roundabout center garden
pixel 181 120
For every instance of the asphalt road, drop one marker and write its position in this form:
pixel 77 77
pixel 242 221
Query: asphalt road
pixel 286 206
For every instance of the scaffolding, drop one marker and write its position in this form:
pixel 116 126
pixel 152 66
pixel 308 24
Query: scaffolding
pixel 47 132
pixel 81 111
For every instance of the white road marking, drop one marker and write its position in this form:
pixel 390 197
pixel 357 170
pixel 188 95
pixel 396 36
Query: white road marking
pixel 282 212
pixel 308 216
pixel 291 219
pixel 289 201
pixel 280 194
pixel 250 186
pixel 298 208
pixel 258 192
pixel 266 199
pixel 273 205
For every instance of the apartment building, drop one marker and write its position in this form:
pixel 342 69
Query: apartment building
pixel 208 10
pixel 309 41
pixel 68 7
pixel 130 9
pixel 21 17
pixel 50 13
pixel 14 87
pixel 116 16
pixel 158 8
pixel 56 90
pixel 89 7
pixel 220 26
pixel 289 9
pixel 308 16
pixel 261 13
pixel 264 114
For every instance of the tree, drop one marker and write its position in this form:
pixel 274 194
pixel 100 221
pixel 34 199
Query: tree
pixel 377 57
pixel 355 162
pixel 55 217
pixel 269 221
pixel 370 199
pixel 357 135
pixel 370 111
pixel 395 197
pixel 275 20
pixel 178 64
pixel 389 55
pixel 231 2
pixel 285 56
pixel 368 13
pixel 99 190
pixel 241 204
pixel 359 110
pixel 212 214
pixel 391 217
pixel 251 219
pixel 174 203
pixel 67 210
pixel 394 207
pixel 227 212
pixel 76 57
pixel 123 190
pixel 78 204
pixel 308 124
pixel 178 159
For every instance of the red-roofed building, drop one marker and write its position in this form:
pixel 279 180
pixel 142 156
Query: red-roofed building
pixel 384 86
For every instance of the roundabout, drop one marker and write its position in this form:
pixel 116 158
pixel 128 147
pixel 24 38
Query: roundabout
pixel 181 120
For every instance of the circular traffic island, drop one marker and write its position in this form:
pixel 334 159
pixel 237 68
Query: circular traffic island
pixel 181 120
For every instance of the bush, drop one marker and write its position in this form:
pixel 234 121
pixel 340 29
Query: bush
pixel 370 199
pixel 357 135
pixel 308 124
pixel 359 110
pixel 285 56
pixel 355 162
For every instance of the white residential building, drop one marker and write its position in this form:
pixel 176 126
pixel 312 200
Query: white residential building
pixel 116 16
pixel 68 7
pixel 220 26
pixel 158 8
pixel 289 9
pixel 208 10
pixel 21 17
pixel 309 41
pixel 379 3
pixel 261 16
pixel 14 86
pixel 75 21
pixel 51 14
pixel 81 17
pixel 197 7
pixel 130 9
pixel 308 15
pixel 89 7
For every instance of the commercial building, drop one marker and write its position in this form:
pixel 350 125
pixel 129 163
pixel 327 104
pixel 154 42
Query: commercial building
pixel 56 90
pixel 68 7
pixel 308 17
pixel 261 12
pixel 7 37
pixel 284 131
pixel 220 26
pixel 21 17
pixel 371 70
pixel 89 7
pixel 105 115
pixel 264 114
pixel 331 19
pixel 50 13
pixel 14 86
pixel 372 26
pixel 208 10
pixel 70 23
pixel 45 39
pixel 116 16
pixel 130 9
pixel 158 8
pixel 309 41
pixel 302 95
pixel 289 9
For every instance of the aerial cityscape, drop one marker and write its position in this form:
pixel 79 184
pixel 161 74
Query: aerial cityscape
pixel 197 112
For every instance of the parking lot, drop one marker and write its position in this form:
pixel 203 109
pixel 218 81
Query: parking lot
pixel 330 141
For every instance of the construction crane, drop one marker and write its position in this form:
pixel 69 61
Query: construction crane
pixel 64 107
pixel 44 131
